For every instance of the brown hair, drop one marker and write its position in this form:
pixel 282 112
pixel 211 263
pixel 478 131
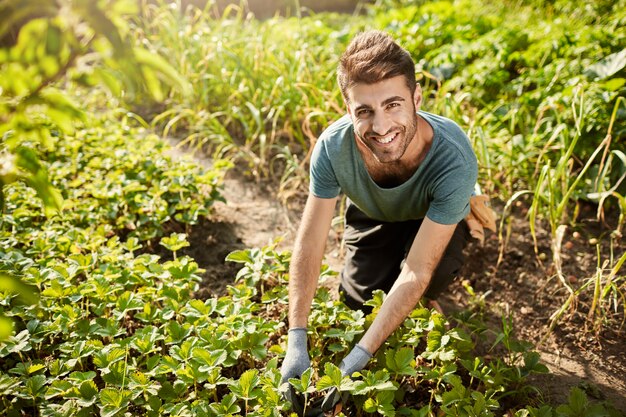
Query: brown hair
pixel 371 57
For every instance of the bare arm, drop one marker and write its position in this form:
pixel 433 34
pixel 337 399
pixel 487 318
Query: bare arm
pixel 428 247
pixel 307 256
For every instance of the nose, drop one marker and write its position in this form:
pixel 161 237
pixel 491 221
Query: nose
pixel 381 123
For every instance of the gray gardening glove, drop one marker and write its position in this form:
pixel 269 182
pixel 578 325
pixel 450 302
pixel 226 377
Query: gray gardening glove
pixel 295 363
pixel 354 362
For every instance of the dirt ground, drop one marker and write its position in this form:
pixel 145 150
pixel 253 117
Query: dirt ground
pixel 254 217
pixel 520 285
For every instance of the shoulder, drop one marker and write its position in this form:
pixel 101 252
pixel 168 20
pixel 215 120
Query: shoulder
pixel 337 130
pixel 333 141
pixel 443 125
pixel 449 134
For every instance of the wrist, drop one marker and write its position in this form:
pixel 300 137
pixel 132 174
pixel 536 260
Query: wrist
pixel 368 343
pixel 297 329
pixel 363 350
pixel 355 360
pixel 297 338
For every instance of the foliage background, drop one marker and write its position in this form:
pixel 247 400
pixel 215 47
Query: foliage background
pixel 95 322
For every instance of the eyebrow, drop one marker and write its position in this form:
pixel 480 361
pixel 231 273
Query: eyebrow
pixel 384 103
pixel 391 100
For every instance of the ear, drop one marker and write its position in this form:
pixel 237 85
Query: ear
pixel 417 97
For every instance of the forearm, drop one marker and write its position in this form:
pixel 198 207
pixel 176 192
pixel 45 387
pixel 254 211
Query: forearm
pixel 401 300
pixel 421 262
pixel 306 258
pixel 303 276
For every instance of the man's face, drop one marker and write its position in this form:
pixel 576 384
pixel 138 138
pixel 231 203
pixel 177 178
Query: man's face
pixel 384 117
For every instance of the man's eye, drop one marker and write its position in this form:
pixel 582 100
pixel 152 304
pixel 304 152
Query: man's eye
pixel 362 112
pixel 391 105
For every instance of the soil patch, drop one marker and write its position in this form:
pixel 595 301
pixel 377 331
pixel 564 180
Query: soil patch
pixel 527 288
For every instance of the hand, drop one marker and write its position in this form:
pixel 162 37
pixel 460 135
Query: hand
pixel 354 362
pixel 297 358
pixel 295 363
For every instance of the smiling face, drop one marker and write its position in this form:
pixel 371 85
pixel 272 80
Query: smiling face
pixel 385 119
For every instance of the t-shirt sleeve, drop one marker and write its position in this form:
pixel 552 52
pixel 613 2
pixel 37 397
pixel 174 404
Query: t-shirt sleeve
pixel 452 192
pixel 323 183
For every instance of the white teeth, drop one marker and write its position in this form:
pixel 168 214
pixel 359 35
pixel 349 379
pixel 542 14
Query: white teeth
pixel 386 139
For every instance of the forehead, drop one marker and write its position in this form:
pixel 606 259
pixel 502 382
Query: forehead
pixel 375 94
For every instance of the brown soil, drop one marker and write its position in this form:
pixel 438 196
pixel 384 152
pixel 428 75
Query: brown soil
pixel 529 290
pixel 520 285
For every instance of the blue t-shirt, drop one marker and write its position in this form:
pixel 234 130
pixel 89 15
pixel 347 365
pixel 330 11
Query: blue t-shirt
pixel 439 189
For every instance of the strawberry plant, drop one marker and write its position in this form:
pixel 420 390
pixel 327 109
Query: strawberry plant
pixel 119 331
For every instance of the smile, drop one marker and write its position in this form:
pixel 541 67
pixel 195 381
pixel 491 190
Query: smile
pixel 387 138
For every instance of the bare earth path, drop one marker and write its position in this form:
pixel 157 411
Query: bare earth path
pixel 253 217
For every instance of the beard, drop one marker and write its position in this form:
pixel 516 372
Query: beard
pixel 398 146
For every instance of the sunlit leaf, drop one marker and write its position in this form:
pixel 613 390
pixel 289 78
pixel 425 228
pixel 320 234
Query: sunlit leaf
pixel 6 327
pixel 607 66
pixel 27 293
pixel 167 72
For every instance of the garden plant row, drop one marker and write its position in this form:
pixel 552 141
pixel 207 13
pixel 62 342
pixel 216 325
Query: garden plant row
pixel 117 330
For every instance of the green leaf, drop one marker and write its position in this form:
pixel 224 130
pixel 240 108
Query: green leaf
pixel 28 294
pixel 303 384
pixel 115 374
pixel 152 83
pixel 127 302
pixel 27 159
pixel 176 332
pixel 175 241
pixel 88 390
pixel 576 406
pixel 34 368
pixel 245 387
pixel 532 363
pixel 384 400
pixel 154 402
pixel 107 356
pixel 18 343
pixel 53 40
pixel 35 386
pixel 61 110
pixel 21 11
pixel 241 256
pixel 607 66
pixel 98 20
pixel 613 84
pixel 401 362
pixel 88 393
pixel 113 401
pixel 59 388
pixel 167 72
pixel 332 377
pixel 228 406
pixel 8 384
pixel 212 358
pixel 199 308
pixel 434 340
pixel 114 397
pixel 6 327
pixel 370 405
pixel 378 296
pixel 372 381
